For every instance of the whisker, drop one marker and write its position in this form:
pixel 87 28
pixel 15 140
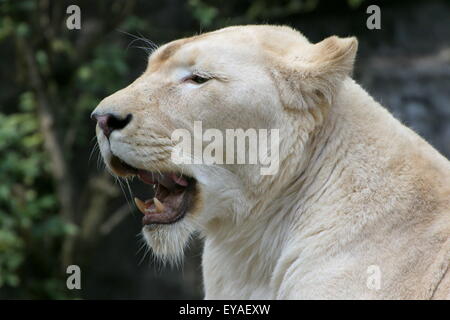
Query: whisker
pixel 123 190
pixel 94 149
pixel 143 246
pixel 131 194
pixel 100 161
pixel 151 45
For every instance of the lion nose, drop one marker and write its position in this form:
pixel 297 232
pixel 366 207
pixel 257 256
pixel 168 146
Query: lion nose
pixel 109 122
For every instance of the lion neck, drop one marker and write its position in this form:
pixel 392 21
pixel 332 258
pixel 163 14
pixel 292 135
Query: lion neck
pixel 303 200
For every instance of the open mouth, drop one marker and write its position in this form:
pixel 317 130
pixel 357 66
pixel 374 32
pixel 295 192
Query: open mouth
pixel 174 193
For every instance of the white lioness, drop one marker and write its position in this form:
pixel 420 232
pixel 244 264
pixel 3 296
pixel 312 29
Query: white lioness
pixel 360 205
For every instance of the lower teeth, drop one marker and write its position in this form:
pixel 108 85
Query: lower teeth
pixel 140 204
pixel 143 207
pixel 159 206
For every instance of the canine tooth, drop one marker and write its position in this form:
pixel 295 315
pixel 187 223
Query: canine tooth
pixel 140 204
pixel 159 206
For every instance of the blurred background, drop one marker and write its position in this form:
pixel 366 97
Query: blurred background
pixel 59 207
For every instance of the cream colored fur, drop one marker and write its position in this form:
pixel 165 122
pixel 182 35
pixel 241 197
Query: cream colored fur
pixel 355 187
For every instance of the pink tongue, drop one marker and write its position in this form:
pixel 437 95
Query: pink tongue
pixel 179 180
pixel 146 176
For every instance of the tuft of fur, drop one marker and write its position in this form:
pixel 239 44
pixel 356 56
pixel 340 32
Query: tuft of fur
pixel 169 241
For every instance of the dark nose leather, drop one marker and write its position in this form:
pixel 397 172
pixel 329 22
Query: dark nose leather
pixel 109 122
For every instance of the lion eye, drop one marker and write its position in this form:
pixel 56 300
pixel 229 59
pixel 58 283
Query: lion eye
pixel 197 79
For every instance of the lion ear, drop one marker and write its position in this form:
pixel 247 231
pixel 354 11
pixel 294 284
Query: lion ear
pixel 313 76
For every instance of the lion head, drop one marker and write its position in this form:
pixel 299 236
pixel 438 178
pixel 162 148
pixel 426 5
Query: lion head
pixel 245 77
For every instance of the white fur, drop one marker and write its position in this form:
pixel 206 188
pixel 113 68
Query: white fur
pixel 355 187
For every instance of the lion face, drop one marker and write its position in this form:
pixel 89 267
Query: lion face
pixel 252 77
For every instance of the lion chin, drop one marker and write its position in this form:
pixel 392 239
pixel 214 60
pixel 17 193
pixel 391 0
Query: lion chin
pixel 169 241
